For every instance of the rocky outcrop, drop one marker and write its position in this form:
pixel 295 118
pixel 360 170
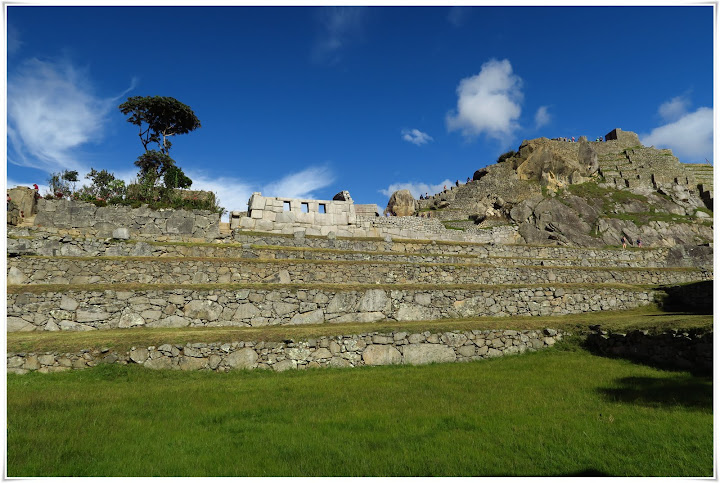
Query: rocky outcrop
pixel 587 194
pixel 402 203
pixel 555 165
pixel 22 204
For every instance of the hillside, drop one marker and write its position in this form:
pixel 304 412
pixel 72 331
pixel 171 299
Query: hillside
pixel 586 194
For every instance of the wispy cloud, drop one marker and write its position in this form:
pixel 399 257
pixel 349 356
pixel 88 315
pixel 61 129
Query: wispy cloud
pixel 415 136
pixel 488 102
pixel 302 184
pixel 674 109
pixel 542 117
pixel 233 193
pixel 457 16
pixel 339 26
pixel 13 40
pixel 690 136
pixel 417 188
pixel 52 112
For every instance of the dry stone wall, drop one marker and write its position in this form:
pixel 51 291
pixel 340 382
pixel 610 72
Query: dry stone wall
pixel 279 305
pixel 684 350
pixel 50 270
pixel 36 242
pixel 368 349
pixel 140 222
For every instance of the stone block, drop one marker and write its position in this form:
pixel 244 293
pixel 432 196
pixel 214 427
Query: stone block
pixel 92 314
pixel 16 277
pixel 171 321
pixel 16 324
pixel 246 311
pixel 68 325
pixel 375 300
pixel 427 353
pixel 377 355
pixel 415 312
pixel 129 319
pixel 203 310
pixel 245 358
pixel 285 365
pixel 121 233
pixel 314 317
pixel 139 355
pixel 180 222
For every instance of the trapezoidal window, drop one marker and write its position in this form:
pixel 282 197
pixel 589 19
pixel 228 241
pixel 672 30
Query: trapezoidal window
pixel 304 207
pixel 286 206
pixel 322 208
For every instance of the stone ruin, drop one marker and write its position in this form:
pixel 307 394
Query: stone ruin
pixel 128 269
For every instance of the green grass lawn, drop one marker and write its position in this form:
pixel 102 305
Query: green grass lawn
pixel 554 412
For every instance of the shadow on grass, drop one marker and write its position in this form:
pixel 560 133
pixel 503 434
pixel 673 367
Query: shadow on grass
pixel 669 350
pixel 586 472
pixel 673 390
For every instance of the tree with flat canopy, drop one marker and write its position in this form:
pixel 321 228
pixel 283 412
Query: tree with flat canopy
pixel 158 118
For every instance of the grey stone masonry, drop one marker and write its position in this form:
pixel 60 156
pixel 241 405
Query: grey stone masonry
pixel 49 270
pixel 142 222
pixel 339 218
pixel 245 306
pixel 37 242
pixel 267 213
pixel 367 349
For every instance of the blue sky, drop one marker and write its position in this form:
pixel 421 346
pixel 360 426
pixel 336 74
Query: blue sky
pixel 309 101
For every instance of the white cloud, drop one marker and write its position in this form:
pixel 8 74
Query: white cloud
pixel 340 26
pixel 488 102
pixel 301 184
pixel 415 136
pixel 690 137
pixel 233 193
pixel 417 188
pixel 542 117
pixel 51 113
pixel 674 109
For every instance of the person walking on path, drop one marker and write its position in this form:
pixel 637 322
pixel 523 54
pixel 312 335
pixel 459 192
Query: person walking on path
pixel 624 242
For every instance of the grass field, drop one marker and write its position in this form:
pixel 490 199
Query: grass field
pixel 561 411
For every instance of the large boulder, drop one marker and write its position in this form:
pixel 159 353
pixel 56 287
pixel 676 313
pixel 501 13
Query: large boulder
pixel 25 199
pixel 402 203
pixel 342 196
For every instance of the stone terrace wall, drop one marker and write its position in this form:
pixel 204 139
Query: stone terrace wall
pixel 142 222
pixel 36 242
pixel 46 270
pixel 278 305
pixel 369 349
pixel 675 350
